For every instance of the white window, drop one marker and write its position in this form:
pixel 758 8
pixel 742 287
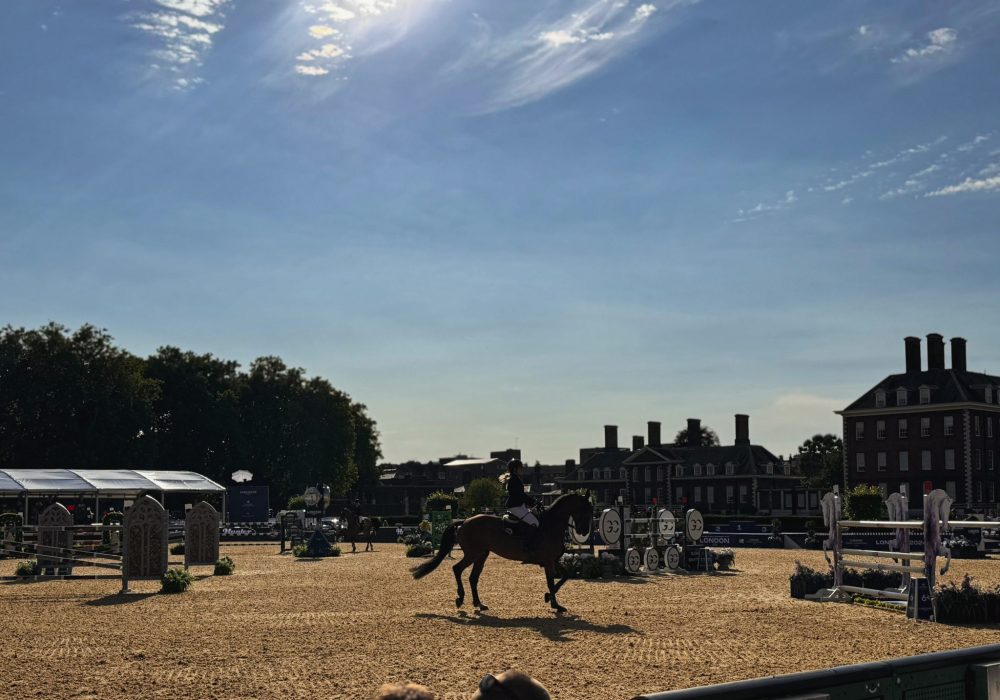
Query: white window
pixel 949 459
pixel 697 494
pixel 769 468
pixel 787 467
pixel 904 461
pixel 859 461
pixel 649 475
pixel 949 487
pixel 623 474
pixel 679 470
pixel 607 473
pixel 729 494
pixel 925 427
pixel 989 426
pixel 659 473
pixel 743 493
pixel 597 474
pixel 925 394
pixel 949 426
pixel 710 469
pixel 979 458
pixel 697 470
pixel 989 394
pixel 904 429
pixel 710 497
pixel 635 473
pixel 975 422
pixel 925 460
pixel 989 460
pixel 881 461
pixel 979 492
pixel 993 492
pixel 879 399
pixel 679 491
pixel 880 430
pixel 901 397
pixel 730 469
pixel 859 430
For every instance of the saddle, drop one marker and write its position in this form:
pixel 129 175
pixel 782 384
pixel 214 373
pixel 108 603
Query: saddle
pixel 513 525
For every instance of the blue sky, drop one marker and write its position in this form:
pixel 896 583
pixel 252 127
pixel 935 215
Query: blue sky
pixel 513 221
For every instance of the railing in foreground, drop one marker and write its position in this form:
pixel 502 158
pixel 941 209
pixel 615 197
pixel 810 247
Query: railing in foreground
pixel 969 674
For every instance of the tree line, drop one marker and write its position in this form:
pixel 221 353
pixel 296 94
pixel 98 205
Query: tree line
pixel 76 400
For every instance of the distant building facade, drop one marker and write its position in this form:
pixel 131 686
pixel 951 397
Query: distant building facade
pixel 937 424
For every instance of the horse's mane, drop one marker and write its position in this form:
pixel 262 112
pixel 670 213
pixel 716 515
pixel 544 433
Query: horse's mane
pixel 558 504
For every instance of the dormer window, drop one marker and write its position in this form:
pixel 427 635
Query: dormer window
pixel 787 468
pixel 989 394
pixel 697 470
pixel 770 465
pixel 901 397
pixel 730 469
pixel 925 394
pixel 623 473
pixel 679 470
pixel 710 469
pixel 597 474
pixel 607 473
pixel 879 399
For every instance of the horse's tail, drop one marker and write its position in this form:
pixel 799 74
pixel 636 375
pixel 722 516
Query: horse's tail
pixel 447 544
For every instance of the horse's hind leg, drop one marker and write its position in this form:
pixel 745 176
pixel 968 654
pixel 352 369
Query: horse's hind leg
pixel 458 569
pixel 477 569
pixel 551 595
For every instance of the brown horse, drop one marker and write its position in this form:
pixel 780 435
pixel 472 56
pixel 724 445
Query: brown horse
pixel 482 534
pixel 359 526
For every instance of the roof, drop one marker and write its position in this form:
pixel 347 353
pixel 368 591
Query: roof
pixel 471 462
pixel 108 481
pixel 747 460
pixel 946 385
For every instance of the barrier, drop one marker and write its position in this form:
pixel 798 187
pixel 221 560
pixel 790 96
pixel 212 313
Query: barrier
pixel 661 546
pixel 962 674
pixel 936 507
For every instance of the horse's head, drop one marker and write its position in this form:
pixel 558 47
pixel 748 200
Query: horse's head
pixel 582 513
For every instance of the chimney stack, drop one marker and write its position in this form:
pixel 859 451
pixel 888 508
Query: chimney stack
pixel 569 467
pixel 742 429
pixel 653 433
pixel 935 351
pixel 637 443
pixel 694 432
pixel 912 354
pixel 610 438
pixel 958 354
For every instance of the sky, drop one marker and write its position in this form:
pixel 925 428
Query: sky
pixel 505 224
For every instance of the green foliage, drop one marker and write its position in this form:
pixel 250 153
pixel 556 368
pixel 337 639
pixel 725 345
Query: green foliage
pixel 806 580
pixel 419 549
pixel 113 517
pixel 302 551
pixel 225 566
pixel 708 437
pixel 967 603
pixel 11 518
pixel 880 604
pixel 439 499
pixel 76 398
pixel 864 502
pixel 296 503
pixel 725 559
pixel 821 460
pixel 27 568
pixel 177 548
pixel 483 493
pixel 426 527
pixel 176 581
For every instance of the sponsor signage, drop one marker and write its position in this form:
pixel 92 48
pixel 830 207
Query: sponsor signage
pixel 248 503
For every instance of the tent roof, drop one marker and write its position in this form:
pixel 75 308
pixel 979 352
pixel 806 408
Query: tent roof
pixel 96 481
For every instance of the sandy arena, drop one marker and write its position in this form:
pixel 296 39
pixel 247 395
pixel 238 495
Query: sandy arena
pixel 337 628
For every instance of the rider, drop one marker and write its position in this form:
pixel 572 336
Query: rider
pixel 518 501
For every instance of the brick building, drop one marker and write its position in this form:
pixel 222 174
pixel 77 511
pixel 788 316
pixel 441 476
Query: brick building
pixel 737 478
pixel 936 424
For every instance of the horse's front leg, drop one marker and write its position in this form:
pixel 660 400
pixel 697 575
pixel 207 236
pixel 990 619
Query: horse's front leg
pixel 551 595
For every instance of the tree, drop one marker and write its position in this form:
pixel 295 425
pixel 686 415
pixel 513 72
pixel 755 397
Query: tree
pixel 708 437
pixel 483 493
pixel 439 499
pixel 864 502
pixel 821 460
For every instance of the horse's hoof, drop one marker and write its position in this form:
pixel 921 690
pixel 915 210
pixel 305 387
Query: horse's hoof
pixel 481 608
pixel 548 597
pixel 559 609
pixel 458 602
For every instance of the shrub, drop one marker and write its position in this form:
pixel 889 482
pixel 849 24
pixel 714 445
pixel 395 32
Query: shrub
pixel 302 551
pixel 864 502
pixel 26 568
pixel 725 559
pixel 225 567
pixel 483 493
pixel 805 580
pixel 15 519
pixel 966 603
pixel 177 548
pixel 296 503
pixel 176 581
pixel 112 517
pixel 419 549
pixel 439 499
pixel 880 604
pixel 426 527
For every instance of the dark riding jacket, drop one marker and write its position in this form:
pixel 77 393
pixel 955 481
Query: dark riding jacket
pixel 515 493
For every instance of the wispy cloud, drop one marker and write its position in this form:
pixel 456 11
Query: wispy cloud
pixel 914 183
pixel 186 29
pixel 939 42
pixel 761 208
pixel 561 44
pixel 988 184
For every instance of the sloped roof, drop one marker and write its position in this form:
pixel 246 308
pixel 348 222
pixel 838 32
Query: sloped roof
pixel 947 386
pixel 96 481
pixel 746 459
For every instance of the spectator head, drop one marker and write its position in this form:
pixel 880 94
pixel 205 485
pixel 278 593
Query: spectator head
pixel 403 691
pixel 511 685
